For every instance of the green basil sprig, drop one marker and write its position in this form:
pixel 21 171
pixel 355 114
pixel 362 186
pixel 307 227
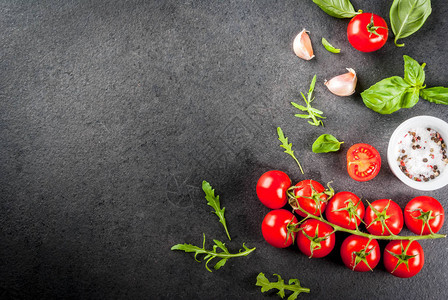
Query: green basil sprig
pixel 326 143
pixel 394 93
pixel 330 47
pixel 407 16
pixel 338 8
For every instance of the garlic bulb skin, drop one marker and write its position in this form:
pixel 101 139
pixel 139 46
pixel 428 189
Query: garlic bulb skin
pixel 302 45
pixel 343 85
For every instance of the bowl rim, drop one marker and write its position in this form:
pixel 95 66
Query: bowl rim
pixel 425 121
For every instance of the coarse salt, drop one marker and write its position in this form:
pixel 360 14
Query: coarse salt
pixel 422 154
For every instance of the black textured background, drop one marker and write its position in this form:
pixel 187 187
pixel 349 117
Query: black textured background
pixel 112 114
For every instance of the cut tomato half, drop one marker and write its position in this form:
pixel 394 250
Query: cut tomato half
pixel 363 162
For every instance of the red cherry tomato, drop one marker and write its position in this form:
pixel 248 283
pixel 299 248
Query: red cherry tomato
pixel 271 188
pixel 384 217
pixel 360 254
pixel 367 32
pixel 403 258
pixel 424 215
pixel 345 209
pixel 275 228
pixel 363 162
pixel 315 239
pixel 307 193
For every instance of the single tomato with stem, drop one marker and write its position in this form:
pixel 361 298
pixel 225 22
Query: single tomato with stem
pixel 424 215
pixel 346 210
pixel 360 253
pixel 367 32
pixel 384 217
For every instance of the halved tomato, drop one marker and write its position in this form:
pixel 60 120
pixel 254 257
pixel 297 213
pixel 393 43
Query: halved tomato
pixel 363 162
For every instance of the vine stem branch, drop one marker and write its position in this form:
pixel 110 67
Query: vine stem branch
pixel 367 235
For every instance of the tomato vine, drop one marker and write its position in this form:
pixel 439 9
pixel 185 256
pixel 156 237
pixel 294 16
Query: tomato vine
pixel 295 205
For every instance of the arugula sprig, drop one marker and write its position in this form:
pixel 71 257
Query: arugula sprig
pixel 213 201
pixel 313 113
pixel 223 254
pixel 293 286
pixel 287 146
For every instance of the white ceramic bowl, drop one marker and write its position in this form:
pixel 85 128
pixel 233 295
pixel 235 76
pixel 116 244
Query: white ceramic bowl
pixel 420 121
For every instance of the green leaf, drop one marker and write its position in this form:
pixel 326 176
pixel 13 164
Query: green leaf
pixel 414 74
pixel 330 47
pixel 410 98
pixel 337 8
pixel 220 263
pixel 302 116
pixel 326 143
pixel 287 146
pixel 438 95
pixel 293 286
pixel 209 255
pixel 386 96
pixel 311 90
pixel 408 16
pixel 298 106
pixel 213 201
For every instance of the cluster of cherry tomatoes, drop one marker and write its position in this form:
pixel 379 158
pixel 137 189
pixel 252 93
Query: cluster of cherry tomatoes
pixel 315 237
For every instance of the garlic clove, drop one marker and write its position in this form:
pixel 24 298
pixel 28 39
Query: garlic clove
pixel 302 45
pixel 343 85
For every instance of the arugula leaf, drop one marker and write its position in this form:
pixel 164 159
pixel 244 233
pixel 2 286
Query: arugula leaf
pixel 414 74
pixel 293 286
pixel 338 8
pixel 287 146
pixel 224 254
pixel 330 47
pixel 313 113
pixel 438 95
pixel 326 143
pixel 386 96
pixel 213 201
pixel 408 16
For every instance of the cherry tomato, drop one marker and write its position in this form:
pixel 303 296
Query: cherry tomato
pixel 345 209
pixel 384 217
pixel 360 254
pixel 363 162
pixel 424 215
pixel 315 239
pixel 367 32
pixel 275 228
pixel 403 258
pixel 311 197
pixel 271 188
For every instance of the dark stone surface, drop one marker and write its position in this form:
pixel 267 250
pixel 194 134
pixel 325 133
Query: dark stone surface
pixel 112 114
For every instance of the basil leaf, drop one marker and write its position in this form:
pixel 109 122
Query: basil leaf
pixel 326 143
pixel 414 74
pixel 410 98
pixel 330 47
pixel 438 95
pixel 337 8
pixel 386 96
pixel 407 16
